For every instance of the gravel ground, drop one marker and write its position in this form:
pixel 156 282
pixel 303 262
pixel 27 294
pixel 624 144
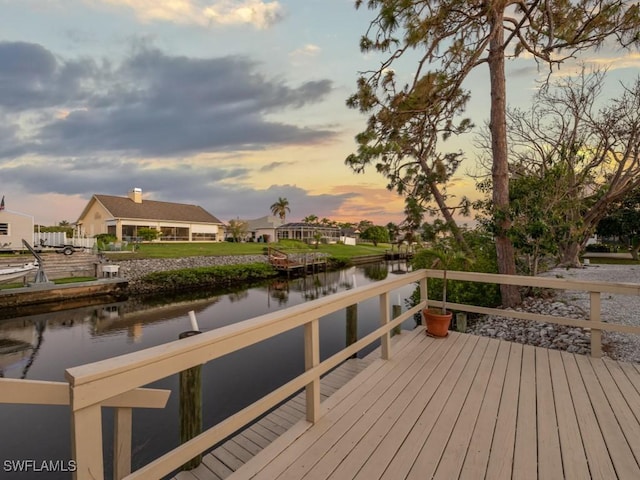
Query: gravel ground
pixel 624 309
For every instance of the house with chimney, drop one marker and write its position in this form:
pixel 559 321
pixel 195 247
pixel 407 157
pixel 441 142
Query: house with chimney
pixel 124 216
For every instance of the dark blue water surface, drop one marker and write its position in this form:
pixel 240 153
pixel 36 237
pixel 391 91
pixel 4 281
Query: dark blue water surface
pixel 42 346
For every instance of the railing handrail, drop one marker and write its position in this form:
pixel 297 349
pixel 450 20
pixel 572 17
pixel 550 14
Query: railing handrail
pixel 42 392
pixel 544 282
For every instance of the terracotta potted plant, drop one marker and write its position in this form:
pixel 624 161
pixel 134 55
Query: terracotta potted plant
pixel 443 255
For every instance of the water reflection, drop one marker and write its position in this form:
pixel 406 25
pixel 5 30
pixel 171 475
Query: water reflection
pixel 19 346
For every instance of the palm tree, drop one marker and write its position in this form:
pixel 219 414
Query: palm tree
pixel 280 208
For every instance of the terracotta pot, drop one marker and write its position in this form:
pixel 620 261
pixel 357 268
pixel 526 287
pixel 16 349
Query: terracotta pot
pixel 437 324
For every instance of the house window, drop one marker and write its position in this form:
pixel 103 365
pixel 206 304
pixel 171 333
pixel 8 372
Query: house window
pixel 175 234
pixel 203 237
pixel 4 229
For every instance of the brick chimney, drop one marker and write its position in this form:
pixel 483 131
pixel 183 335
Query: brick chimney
pixel 135 195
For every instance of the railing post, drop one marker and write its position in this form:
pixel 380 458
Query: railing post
pixel 384 320
pixel 86 442
pixel 122 442
pixel 312 359
pixel 594 316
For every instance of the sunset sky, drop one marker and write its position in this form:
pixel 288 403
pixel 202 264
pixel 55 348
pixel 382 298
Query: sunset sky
pixel 228 104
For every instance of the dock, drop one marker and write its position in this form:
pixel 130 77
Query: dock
pixel 40 294
pixel 296 262
pixel 391 255
pixel 466 407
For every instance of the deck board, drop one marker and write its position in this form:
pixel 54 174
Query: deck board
pixel 547 420
pixel 503 442
pixel 461 407
pixel 450 465
pixel 434 446
pixel 600 466
pixel 574 460
pixel 526 449
pixel 477 455
pixel 617 444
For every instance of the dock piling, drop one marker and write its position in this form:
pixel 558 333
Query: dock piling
pixel 352 326
pixel 190 409
pixel 396 310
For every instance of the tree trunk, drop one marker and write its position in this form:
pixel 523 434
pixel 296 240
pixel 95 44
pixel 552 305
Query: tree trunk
pixel 448 217
pixel 569 255
pixel 635 247
pixel 500 170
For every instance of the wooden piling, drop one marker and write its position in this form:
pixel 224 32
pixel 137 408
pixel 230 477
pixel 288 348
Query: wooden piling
pixel 396 310
pixel 352 326
pixel 461 322
pixel 190 410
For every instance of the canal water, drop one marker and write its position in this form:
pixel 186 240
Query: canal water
pixel 41 346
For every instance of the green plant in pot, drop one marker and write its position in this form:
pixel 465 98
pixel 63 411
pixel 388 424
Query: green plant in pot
pixel 442 255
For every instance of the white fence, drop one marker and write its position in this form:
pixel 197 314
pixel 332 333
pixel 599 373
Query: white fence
pixel 54 239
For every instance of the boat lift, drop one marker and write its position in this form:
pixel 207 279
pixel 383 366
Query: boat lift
pixel 41 276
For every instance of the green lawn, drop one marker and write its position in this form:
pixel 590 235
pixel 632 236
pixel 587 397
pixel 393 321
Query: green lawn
pixel 57 281
pixel 612 261
pixel 176 250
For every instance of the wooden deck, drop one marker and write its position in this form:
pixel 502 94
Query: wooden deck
pixel 235 452
pixel 467 407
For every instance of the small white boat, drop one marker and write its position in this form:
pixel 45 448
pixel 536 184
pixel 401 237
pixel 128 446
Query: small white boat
pixel 12 273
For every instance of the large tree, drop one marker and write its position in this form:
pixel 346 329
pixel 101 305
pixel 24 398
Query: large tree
pixel 451 38
pixel 376 234
pixel 584 157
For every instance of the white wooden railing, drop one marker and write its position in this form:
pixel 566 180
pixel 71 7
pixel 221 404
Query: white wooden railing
pixel 36 392
pixel 94 384
pixel 595 289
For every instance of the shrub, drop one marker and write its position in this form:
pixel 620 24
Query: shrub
pixel 598 247
pixel 104 239
pixel 471 293
pixel 216 275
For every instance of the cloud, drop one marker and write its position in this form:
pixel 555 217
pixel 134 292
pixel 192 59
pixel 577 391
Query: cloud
pixel 273 166
pixel 369 202
pixel 150 105
pixel 631 60
pixel 309 50
pixel 222 191
pixel 258 13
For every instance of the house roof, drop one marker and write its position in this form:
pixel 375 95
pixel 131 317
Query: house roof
pixel 265 222
pixel 307 225
pixel 124 207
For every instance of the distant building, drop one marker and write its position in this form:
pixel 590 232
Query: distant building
pixel 263 229
pixel 14 226
pixel 306 232
pixel 124 216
